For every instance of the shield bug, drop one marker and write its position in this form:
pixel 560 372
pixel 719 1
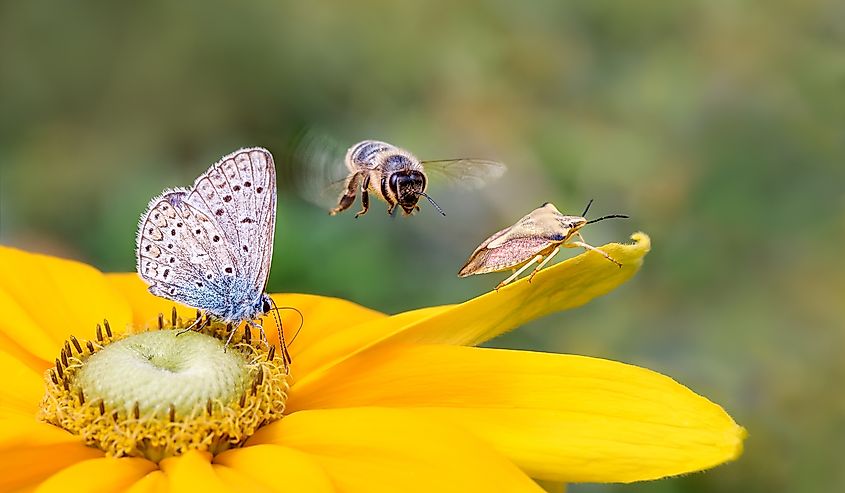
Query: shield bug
pixel 537 237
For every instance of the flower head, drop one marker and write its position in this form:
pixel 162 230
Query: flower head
pixel 373 403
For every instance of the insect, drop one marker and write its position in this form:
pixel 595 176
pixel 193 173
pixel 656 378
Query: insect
pixel 537 237
pixel 209 246
pixel 397 177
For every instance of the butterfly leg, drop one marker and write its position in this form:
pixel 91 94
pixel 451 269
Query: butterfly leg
pixel 348 196
pixel 518 272
pixel 585 246
pixel 365 196
pixel 543 263
pixel 197 324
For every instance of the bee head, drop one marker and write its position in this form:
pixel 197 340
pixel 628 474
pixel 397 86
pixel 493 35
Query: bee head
pixel 407 186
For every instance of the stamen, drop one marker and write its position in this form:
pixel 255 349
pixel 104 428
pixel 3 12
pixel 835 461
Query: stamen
pixel 75 342
pixel 173 317
pixel 160 321
pixel 91 393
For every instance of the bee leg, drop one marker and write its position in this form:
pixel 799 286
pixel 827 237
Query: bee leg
pixel 585 246
pixel 365 196
pixel 348 196
pixel 543 263
pixel 518 272
pixel 391 207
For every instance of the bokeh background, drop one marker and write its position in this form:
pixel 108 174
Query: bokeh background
pixel 718 126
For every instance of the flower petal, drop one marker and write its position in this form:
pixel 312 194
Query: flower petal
pixel 565 285
pixel 338 344
pixel 322 316
pixel 154 482
pixel 377 449
pixel 144 305
pixel 62 297
pixel 22 387
pixel 192 472
pixel 31 452
pixel 21 336
pixel 105 474
pixel 279 468
pixel 235 481
pixel 559 417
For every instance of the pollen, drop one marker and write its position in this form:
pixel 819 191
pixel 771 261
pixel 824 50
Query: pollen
pixel 161 392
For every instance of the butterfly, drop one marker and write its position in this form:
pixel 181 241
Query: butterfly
pixel 209 246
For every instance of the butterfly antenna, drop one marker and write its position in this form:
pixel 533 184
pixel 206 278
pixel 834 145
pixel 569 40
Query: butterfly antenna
pixel 285 354
pixel 433 203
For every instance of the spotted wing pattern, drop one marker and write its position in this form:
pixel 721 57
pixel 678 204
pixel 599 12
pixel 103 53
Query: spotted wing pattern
pixel 204 245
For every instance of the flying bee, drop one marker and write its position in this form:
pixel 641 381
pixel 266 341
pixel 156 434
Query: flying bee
pixel 376 168
pixel 536 237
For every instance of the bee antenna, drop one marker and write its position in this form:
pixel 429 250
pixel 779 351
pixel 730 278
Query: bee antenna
pixel 607 217
pixel 433 203
pixel 584 214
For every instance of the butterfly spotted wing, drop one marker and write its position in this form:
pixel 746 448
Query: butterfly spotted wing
pixel 210 246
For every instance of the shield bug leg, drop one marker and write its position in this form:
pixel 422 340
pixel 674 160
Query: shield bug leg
pixel 583 244
pixel 365 196
pixel 543 263
pixel 518 272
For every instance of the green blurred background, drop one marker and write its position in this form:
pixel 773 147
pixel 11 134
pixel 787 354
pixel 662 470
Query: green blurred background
pixel 718 126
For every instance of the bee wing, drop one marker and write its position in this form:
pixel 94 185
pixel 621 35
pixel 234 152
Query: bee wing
pixel 464 172
pixel 316 169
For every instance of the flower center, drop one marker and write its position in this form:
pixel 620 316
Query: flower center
pixel 159 393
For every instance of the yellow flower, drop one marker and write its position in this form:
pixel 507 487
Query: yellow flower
pixel 376 402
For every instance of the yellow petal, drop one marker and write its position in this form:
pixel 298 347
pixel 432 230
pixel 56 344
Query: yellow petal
pixel 559 417
pixel 31 451
pixel 279 468
pixel 22 337
pixel 105 474
pixel 563 286
pixel 192 472
pixel 22 387
pixel 348 338
pixel 235 481
pixel 154 482
pixel 144 305
pixel 322 316
pixel 376 449
pixel 62 297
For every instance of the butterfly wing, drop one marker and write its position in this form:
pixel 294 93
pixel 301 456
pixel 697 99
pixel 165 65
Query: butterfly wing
pixel 239 193
pixel 203 245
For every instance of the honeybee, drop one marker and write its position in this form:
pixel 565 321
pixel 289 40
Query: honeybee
pixel 388 172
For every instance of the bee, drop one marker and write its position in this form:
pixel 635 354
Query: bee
pixel 536 237
pixel 391 174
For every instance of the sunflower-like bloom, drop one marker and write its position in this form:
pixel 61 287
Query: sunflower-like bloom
pixel 374 402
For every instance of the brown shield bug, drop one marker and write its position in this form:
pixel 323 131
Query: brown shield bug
pixel 537 237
